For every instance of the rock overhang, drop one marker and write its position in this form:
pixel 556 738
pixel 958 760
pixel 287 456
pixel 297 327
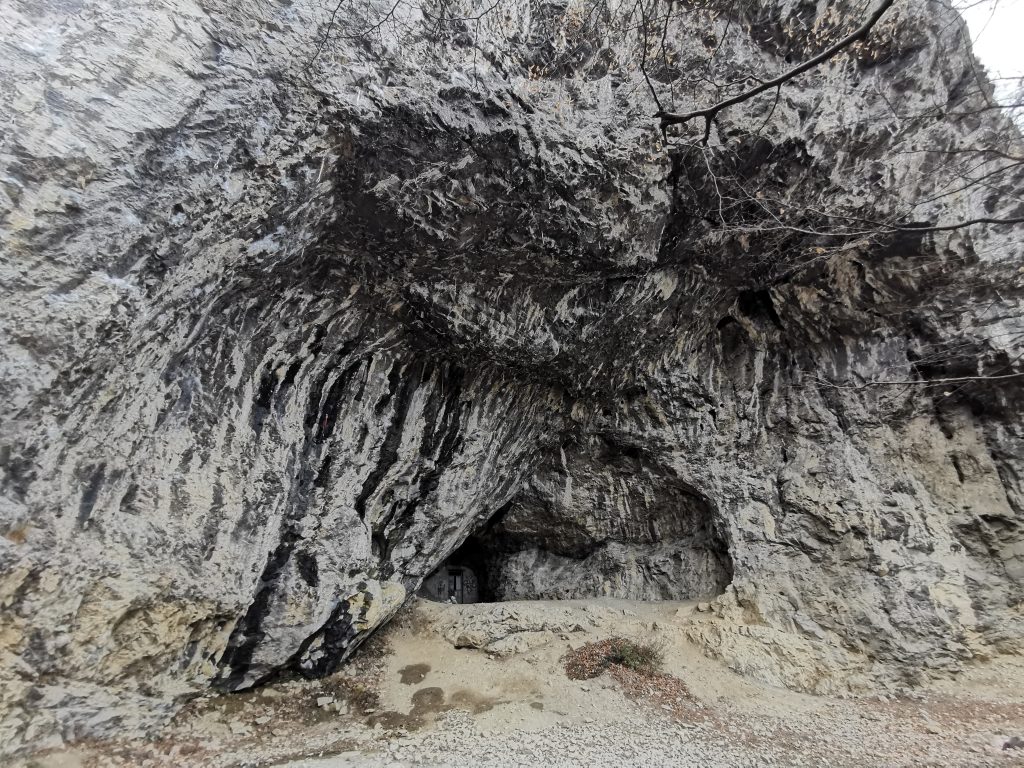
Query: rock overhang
pixel 356 305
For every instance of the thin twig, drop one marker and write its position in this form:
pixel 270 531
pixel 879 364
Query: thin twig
pixel 924 382
pixel 710 113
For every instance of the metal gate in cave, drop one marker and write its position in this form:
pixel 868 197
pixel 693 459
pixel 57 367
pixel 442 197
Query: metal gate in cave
pixel 451 584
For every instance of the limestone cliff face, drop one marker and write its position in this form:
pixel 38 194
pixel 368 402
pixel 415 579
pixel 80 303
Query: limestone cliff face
pixel 293 307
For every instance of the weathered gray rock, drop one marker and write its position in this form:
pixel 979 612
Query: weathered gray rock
pixel 606 519
pixel 505 629
pixel 288 315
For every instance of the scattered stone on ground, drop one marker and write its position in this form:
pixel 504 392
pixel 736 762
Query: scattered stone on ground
pixel 414 699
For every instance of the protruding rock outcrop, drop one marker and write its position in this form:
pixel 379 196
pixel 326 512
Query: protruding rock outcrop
pixel 294 303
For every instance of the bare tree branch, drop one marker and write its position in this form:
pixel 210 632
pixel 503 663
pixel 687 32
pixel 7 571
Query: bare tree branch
pixel 919 382
pixel 643 56
pixel 710 113
pixel 961 224
pixel 326 36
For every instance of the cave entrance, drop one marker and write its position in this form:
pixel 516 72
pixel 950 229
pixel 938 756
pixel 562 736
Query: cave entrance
pixel 451 584
pixel 462 578
pixel 668 543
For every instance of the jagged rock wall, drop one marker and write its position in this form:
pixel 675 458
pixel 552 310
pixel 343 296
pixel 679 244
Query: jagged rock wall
pixel 284 322
pixel 603 518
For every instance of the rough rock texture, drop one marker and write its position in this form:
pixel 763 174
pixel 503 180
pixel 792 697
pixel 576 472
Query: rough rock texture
pixel 294 302
pixel 504 629
pixel 601 520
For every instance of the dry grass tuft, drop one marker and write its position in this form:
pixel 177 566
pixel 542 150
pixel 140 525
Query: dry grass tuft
pixel 593 659
pixel 636 667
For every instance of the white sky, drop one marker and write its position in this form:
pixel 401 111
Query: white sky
pixel 997 29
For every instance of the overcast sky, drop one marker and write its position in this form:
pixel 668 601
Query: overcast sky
pixel 997 29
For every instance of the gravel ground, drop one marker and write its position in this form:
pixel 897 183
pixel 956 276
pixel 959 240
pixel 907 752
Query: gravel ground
pixel 413 699
pixel 638 741
pixel 649 740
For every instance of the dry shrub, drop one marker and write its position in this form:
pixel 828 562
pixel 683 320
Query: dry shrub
pixel 592 659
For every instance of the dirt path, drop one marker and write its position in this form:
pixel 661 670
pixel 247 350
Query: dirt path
pixel 415 699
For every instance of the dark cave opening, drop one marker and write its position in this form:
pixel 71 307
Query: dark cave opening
pixel 493 565
pixel 462 577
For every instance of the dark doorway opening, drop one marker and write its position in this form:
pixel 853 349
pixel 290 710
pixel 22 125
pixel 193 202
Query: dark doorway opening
pixel 462 578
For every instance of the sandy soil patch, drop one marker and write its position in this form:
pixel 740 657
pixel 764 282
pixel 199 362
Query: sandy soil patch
pixel 485 685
